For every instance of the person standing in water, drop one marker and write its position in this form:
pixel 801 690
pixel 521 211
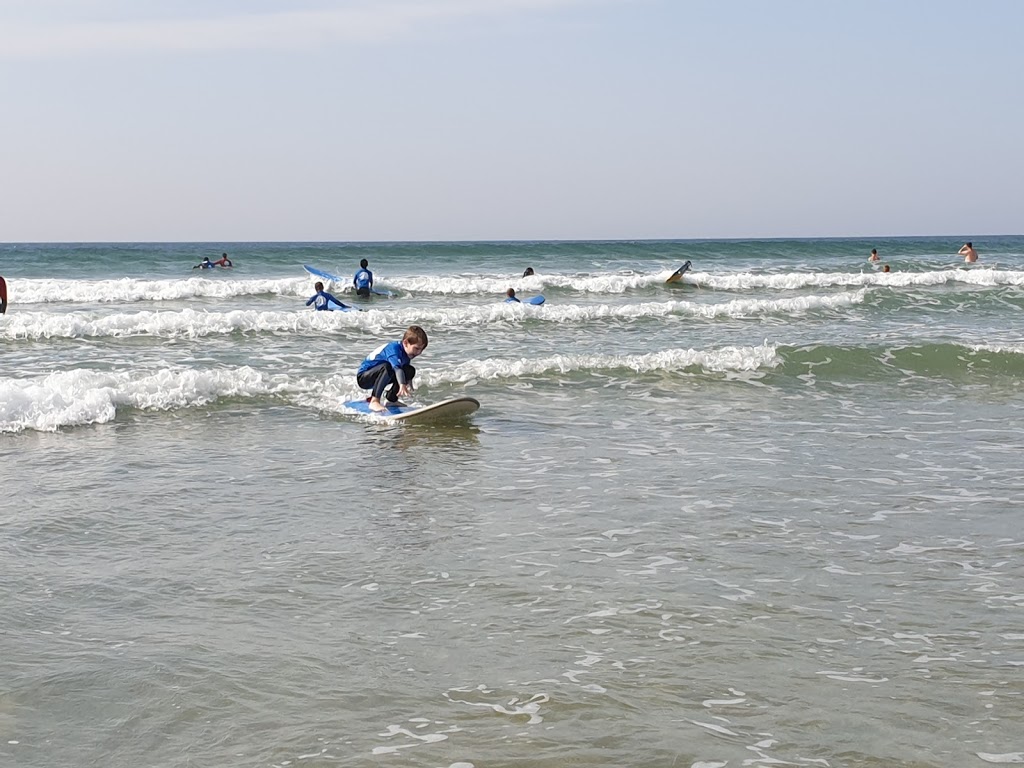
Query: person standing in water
pixel 967 251
pixel 874 255
pixel 363 280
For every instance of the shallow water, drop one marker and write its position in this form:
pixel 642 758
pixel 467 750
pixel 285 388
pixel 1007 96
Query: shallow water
pixel 769 516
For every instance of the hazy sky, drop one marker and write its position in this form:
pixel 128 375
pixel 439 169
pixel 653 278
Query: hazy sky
pixel 252 120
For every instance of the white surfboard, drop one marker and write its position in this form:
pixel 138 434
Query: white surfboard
pixel 446 410
pixel 333 306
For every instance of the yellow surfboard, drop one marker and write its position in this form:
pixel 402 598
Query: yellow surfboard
pixel 676 276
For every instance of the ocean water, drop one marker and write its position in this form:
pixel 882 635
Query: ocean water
pixel 768 516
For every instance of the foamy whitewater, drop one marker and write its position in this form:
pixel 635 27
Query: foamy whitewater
pixel 767 515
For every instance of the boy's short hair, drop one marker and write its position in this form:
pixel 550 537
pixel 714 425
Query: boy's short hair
pixel 415 335
pixel 319 286
pixel 363 263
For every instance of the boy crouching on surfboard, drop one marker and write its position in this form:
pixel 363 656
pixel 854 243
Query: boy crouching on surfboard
pixel 390 365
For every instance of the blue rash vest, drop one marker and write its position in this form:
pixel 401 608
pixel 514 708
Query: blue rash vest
pixel 392 352
pixel 322 299
pixel 363 279
pixel 512 300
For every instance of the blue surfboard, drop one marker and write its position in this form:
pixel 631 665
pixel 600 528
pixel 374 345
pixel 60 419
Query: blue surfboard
pixel 335 279
pixel 325 275
pixel 446 410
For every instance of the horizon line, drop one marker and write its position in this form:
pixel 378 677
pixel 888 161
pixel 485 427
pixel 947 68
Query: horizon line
pixel 508 240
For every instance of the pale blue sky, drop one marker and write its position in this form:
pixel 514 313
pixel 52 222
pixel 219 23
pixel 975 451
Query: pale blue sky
pixel 227 120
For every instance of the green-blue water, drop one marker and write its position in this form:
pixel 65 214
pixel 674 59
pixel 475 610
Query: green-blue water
pixel 768 514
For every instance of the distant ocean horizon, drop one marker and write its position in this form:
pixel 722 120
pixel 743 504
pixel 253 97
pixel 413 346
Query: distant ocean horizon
pixel 952 237
pixel 770 513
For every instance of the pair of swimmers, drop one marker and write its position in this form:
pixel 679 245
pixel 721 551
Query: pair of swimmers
pixel 223 261
pixel 362 281
pixel 967 251
pixel 511 292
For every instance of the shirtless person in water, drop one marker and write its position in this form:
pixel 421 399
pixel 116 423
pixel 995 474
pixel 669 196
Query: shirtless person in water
pixel 968 252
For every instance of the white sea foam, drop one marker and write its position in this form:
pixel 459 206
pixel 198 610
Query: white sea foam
pixel 193 323
pixel 726 359
pixel 738 281
pixel 795 280
pixel 481 284
pixel 78 397
pixel 336 390
pixel 183 323
pixel 37 291
pixel 70 398
pixel 127 289
pixel 1016 349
